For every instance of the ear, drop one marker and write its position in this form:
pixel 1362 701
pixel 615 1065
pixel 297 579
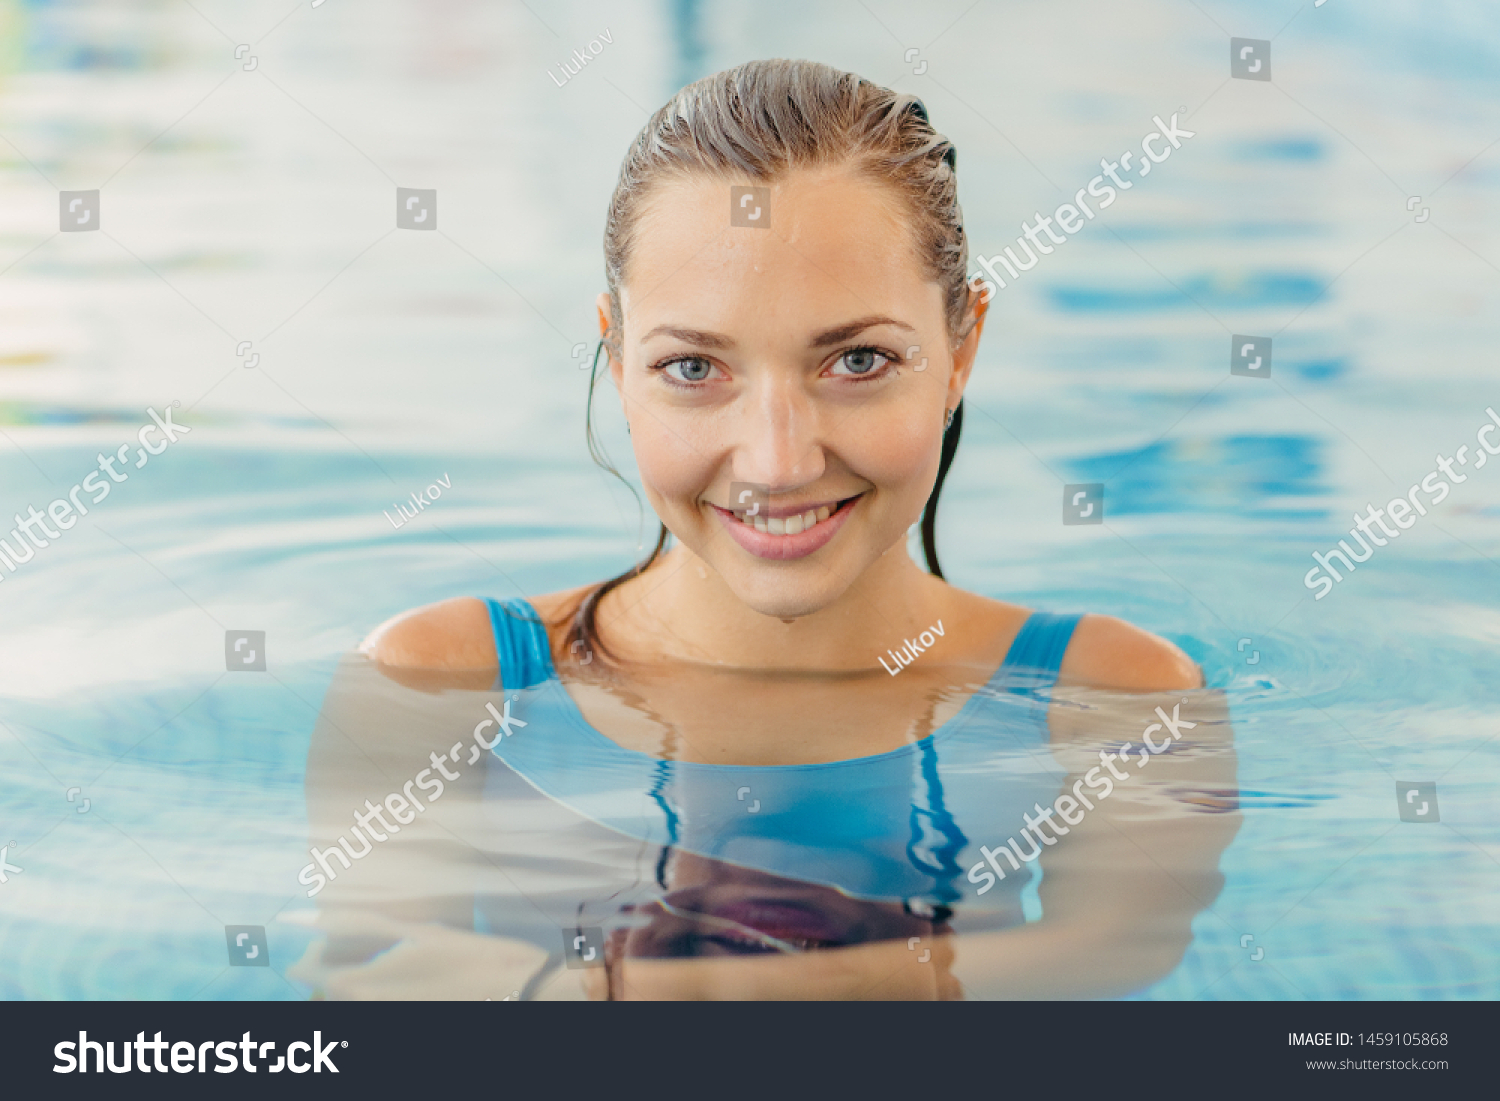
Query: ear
pixel 968 348
pixel 601 304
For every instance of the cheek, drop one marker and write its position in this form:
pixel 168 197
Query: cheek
pixel 900 455
pixel 671 467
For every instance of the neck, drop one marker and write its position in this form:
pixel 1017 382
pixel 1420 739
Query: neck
pixel 682 610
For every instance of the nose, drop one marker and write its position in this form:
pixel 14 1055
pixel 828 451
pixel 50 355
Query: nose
pixel 778 440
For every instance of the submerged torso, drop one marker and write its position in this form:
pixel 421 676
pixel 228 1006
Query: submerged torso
pixel 666 808
pixel 898 826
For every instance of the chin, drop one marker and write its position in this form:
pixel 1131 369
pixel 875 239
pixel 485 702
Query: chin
pixel 786 593
pixel 784 606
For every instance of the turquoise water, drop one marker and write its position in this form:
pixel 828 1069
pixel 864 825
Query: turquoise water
pixel 256 206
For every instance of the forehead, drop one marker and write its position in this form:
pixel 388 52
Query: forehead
pixel 836 242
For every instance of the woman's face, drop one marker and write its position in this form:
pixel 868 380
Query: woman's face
pixel 809 357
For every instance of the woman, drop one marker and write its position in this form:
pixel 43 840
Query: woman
pixel 790 329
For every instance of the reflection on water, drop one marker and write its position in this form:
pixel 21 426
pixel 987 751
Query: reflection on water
pixel 1212 291
pixel 1269 477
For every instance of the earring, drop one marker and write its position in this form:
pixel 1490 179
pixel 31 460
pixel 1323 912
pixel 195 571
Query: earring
pixel 627 428
pixel 947 424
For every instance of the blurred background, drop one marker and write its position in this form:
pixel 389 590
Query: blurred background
pixel 247 155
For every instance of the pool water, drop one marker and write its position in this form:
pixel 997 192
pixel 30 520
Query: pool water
pixel 152 795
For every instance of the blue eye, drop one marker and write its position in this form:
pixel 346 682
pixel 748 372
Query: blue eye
pixel 691 369
pixel 860 361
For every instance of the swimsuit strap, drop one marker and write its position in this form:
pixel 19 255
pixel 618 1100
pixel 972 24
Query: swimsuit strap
pixel 521 644
pixel 1040 644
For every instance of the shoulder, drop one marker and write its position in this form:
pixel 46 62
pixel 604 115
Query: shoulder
pixel 1109 653
pixel 1104 651
pixel 453 635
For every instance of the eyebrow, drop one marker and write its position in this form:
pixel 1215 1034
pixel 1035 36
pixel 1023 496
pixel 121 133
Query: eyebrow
pixel 690 336
pixel 822 340
pixel 853 328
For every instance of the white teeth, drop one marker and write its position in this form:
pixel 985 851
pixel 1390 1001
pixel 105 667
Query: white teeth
pixel 791 525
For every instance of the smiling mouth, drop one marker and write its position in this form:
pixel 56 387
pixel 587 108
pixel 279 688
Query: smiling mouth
pixel 795 524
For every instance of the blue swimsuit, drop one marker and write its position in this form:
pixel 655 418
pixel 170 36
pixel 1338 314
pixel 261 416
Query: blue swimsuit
pixel 904 825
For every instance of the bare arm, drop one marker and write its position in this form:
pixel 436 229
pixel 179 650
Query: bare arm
pixel 1121 888
pixel 408 694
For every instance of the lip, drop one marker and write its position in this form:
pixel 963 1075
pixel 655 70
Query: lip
pixel 784 547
